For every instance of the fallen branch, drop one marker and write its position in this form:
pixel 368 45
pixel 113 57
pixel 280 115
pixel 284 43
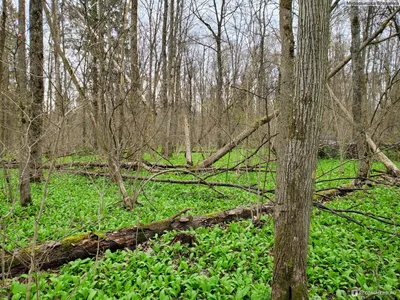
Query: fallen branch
pixel 54 254
pixel 391 168
pixel 236 141
pixel 252 188
pixel 368 41
pixel 351 219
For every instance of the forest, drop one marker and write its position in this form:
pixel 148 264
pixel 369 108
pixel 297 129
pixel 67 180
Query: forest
pixel 199 149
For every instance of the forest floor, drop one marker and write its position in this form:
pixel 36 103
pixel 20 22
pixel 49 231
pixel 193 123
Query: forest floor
pixel 229 261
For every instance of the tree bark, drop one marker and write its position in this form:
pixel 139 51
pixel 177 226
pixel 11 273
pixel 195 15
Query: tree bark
pixel 24 155
pixel 115 172
pixel 357 105
pixel 188 143
pixel 59 103
pixel 300 124
pixel 37 87
pixel 54 254
pixel 134 55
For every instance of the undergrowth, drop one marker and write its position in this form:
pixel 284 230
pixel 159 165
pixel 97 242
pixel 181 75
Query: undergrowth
pixel 232 261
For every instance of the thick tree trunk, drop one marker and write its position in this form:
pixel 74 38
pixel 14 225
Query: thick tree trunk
pixel 357 105
pixel 37 87
pixel 54 254
pixel 300 123
pixel 236 141
pixel 3 38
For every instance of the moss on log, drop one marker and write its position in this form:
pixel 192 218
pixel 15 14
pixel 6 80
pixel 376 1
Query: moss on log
pixel 54 254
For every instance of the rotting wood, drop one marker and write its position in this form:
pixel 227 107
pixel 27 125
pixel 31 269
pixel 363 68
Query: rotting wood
pixel 53 254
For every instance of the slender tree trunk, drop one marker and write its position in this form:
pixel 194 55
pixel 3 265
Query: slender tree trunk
pixel 24 179
pixel 37 87
pixel 115 172
pixel 220 84
pixel 300 123
pixel 2 48
pixel 357 105
pixel 167 148
pixel 188 143
pixel 59 105
pixel 164 71
pixel 134 55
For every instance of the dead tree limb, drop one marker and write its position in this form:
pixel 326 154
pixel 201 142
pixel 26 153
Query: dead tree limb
pixel 255 189
pixel 353 220
pixel 391 168
pixel 378 31
pixel 53 254
pixel 236 141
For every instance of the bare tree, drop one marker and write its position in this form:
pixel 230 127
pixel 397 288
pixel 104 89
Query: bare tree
pixel 220 14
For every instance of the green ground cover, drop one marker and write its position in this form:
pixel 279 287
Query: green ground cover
pixel 230 261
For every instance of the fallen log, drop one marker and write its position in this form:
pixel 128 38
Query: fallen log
pixel 51 255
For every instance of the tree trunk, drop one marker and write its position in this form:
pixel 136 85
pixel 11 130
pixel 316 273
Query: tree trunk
pixel 164 83
pixel 59 103
pixel 357 105
pixel 188 143
pixel 2 48
pixel 24 177
pixel 134 55
pixel 37 87
pixel 300 124
pixel 115 174
pixel 54 254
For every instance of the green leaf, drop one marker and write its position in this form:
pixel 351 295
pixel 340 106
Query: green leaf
pixel 92 294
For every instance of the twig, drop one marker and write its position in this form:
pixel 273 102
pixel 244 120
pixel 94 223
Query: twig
pixel 179 213
pixel 338 213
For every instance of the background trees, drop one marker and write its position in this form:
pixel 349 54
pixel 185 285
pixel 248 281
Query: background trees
pixel 227 53
pixel 157 77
